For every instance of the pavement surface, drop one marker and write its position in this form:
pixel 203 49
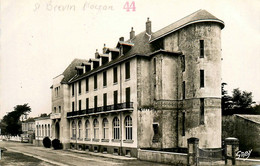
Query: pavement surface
pixel 28 154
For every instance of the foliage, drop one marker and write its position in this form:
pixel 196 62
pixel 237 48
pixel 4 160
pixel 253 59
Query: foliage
pixel 10 124
pixel 46 142
pixel 56 144
pixel 239 103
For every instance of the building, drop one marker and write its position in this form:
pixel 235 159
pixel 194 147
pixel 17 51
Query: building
pixel 28 129
pixel 43 129
pixel 154 90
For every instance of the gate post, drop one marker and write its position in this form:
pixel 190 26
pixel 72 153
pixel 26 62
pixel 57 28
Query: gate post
pixel 193 151
pixel 231 146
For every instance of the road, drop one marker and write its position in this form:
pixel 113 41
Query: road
pixel 46 156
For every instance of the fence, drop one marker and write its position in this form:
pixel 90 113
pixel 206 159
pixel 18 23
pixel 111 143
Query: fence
pixel 10 138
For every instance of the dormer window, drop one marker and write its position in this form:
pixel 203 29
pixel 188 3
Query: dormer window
pixel 87 66
pixel 95 63
pixel 104 58
pixel 79 70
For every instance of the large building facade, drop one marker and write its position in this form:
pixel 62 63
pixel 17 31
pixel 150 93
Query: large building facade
pixel 154 90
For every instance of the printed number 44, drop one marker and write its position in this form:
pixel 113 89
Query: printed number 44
pixel 129 7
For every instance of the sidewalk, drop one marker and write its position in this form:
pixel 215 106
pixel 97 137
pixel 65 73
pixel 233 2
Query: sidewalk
pixel 103 155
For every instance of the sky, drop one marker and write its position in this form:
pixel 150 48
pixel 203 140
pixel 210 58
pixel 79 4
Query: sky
pixel 39 39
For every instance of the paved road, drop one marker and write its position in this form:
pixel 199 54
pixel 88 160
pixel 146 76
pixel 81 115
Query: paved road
pixel 67 158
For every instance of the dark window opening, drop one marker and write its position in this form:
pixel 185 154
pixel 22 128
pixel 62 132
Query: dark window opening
pixel 95 103
pixel 127 70
pixel 115 74
pixel 104 78
pixel 105 101
pixel 202 111
pixel 183 123
pixel 115 99
pixel 87 103
pixel 95 82
pixel 127 97
pixel 183 90
pixel 79 105
pixel 156 132
pixel 104 60
pixel 79 87
pixel 87 68
pixel 201 78
pixel 87 85
pixel 183 63
pixel 73 106
pixel 201 48
pixel 114 55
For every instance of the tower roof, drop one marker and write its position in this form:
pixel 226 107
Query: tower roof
pixel 198 16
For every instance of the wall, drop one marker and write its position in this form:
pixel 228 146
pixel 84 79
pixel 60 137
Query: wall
pixel 245 130
pixel 163 157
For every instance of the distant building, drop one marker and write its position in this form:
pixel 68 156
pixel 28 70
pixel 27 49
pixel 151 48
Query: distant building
pixel 154 90
pixel 28 129
pixel 42 129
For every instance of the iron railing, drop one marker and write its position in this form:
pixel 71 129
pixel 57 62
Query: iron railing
pixel 107 108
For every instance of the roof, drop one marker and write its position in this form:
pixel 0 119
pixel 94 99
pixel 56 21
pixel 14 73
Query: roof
pixel 30 120
pixel 198 16
pixel 70 71
pixel 253 118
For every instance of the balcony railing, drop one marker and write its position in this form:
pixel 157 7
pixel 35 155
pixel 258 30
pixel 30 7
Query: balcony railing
pixel 55 116
pixel 102 109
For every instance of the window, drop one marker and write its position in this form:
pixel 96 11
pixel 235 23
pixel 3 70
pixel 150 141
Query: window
pixel 202 111
pixel 154 65
pixel 127 97
pixel 105 101
pixel 46 130
pixel 54 109
pixel 59 109
pixel 96 129
pixel 104 78
pixel 95 103
pixel 156 135
pixel 183 63
pixel 201 78
pixel 127 70
pixel 183 123
pixel 201 48
pixel 87 103
pixel 105 128
pixel 37 130
pixel 49 130
pixel 87 86
pixel 72 89
pixel 73 107
pixel 115 99
pixel 80 129
pixel 115 74
pixel 183 90
pixel 95 82
pixel 42 131
pixel 87 127
pixel 79 105
pixel 128 128
pixel 116 128
pixel 73 129
pixel 79 87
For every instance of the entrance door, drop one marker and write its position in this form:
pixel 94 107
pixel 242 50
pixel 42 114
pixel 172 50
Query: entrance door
pixel 57 130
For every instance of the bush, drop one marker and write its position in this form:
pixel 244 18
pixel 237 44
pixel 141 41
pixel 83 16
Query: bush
pixel 46 142
pixel 56 144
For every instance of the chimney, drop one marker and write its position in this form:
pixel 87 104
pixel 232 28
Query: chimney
pixel 148 26
pixel 132 33
pixel 121 39
pixel 104 49
pixel 96 54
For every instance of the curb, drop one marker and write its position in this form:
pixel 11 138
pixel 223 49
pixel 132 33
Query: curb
pixel 103 155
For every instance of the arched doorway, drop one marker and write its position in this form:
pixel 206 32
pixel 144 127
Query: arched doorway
pixel 57 130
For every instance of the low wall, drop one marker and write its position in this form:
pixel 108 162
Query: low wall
pixel 163 157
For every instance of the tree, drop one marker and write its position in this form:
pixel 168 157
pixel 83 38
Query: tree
pixel 11 124
pixel 242 100
pixel 239 103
